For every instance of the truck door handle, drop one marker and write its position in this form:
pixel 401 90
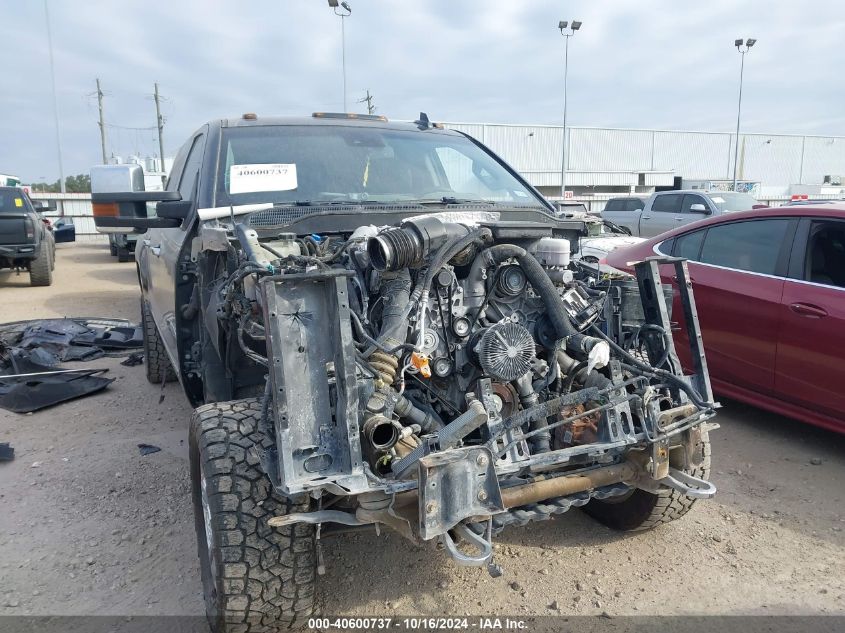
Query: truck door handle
pixel 646 217
pixel 678 219
pixel 808 310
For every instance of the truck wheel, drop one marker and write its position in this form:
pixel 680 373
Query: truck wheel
pixel 159 368
pixel 254 577
pixel 123 254
pixel 641 510
pixel 40 270
pixel 112 249
pixel 52 255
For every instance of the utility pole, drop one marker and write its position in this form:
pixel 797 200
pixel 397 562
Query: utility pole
pixel 102 122
pixel 371 108
pixel 160 125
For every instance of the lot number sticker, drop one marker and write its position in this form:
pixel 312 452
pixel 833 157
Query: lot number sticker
pixel 262 177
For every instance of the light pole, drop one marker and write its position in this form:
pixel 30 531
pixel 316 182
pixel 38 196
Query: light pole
pixel 739 46
pixel 55 100
pixel 567 33
pixel 344 11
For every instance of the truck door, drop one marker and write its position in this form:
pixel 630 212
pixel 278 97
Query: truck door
pixel 691 209
pixel 660 216
pixel 162 246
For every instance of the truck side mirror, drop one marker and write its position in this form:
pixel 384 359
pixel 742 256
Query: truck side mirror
pixel 120 201
pixel 699 208
pixel 173 209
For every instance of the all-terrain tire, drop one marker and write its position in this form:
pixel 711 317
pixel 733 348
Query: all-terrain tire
pixel 52 254
pixel 123 254
pixel 255 577
pixel 642 510
pixel 112 249
pixel 40 270
pixel 158 365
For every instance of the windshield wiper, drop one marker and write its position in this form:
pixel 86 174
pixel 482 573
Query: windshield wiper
pixel 454 200
pixel 343 203
pixel 315 203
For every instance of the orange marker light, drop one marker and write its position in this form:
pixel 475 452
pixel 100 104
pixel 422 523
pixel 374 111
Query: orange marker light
pixel 105 210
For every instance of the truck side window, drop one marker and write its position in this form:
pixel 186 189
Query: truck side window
pixel 670 203
pixel 635 204
pixel 691 199
pixel 753 245
pixel 190 173
pixel 826 254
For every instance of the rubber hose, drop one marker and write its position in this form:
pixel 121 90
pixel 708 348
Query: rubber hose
pixel 539 280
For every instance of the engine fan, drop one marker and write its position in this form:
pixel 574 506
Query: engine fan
pixel 505 351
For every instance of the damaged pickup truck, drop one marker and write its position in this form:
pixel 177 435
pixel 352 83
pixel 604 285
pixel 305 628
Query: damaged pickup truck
pixel 381 326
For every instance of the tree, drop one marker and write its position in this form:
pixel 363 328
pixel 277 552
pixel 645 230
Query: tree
pixel 81 183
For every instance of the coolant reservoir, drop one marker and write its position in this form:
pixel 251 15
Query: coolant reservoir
pixel 285 244
pixel 551 251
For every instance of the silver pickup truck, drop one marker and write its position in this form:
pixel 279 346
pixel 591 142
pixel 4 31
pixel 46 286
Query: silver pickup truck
pixel 667 210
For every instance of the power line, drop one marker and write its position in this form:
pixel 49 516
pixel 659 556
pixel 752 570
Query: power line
pixel 129 127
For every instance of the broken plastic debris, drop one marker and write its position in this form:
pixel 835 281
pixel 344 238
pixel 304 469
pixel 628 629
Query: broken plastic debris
pixel 7 452
pixel 147 449
pixel 135 358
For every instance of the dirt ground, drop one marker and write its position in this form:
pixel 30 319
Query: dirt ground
pixel 88 526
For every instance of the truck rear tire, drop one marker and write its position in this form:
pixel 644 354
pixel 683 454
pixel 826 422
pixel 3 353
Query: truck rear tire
pixel 112 248
pixel 123 254
pixel 641 510
pixel 159 367
pixel 40 269
pixel 254 577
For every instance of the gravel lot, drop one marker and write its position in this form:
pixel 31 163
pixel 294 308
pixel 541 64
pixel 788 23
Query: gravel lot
pixel 87 525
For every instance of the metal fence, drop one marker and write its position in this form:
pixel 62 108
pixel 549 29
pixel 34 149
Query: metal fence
pixel 75 207
pixel 774 160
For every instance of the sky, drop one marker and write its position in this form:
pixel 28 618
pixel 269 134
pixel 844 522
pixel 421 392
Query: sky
pixel 667 64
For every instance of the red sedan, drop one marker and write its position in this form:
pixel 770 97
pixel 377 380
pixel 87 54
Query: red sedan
pixel 770 289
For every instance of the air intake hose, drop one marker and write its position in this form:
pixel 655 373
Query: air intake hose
pixel 408 246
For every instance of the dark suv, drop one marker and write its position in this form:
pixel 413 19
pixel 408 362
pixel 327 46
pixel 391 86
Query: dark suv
pixel 380 325
pixel 26 241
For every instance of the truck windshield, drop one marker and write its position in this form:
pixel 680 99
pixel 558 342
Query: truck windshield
pixel 733 201
pixel 319 164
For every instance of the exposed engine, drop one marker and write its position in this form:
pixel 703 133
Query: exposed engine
pixel 456 363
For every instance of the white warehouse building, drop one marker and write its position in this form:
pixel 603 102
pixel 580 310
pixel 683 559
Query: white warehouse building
pixel 602 161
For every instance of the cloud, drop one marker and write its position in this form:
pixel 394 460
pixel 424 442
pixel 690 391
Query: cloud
pixel 635 63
